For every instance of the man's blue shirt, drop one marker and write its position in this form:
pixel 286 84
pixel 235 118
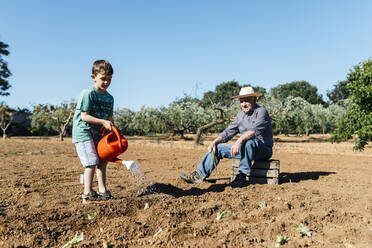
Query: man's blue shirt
pixel 257 120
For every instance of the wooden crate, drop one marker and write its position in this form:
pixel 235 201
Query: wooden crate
pixel 262 171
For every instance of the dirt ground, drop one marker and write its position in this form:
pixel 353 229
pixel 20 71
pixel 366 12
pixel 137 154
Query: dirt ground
pixel 326 187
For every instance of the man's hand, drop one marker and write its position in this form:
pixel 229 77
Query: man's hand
pixel 212 147
pixel 235 149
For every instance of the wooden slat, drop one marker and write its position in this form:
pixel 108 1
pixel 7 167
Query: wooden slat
pixel 262 180
pixel 264 173
pixel 260 164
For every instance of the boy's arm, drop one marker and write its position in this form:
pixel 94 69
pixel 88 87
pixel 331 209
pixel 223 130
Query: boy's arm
pixel 110 119
pixel 85 116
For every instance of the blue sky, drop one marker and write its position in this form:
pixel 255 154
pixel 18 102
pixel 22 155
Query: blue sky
pixel 161 50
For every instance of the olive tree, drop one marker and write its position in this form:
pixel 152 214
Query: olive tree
pixel 53 117
pixel 146 121
pixel 123 119
pixel 186 115
pixel 6 117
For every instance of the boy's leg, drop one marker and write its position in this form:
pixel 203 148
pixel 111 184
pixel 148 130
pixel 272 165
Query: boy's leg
pixel 101 177
pixel 88 179
pixel 88 156
pixel 207 165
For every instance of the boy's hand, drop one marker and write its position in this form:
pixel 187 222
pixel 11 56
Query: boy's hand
pixel 107 124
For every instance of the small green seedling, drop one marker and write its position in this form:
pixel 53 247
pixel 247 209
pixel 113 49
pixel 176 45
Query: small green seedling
pixel 263 204
pixel 281 240
pixel 92 215
pixel 147 205
pixel 223 214
pixel 158 232
pixel 303 230
pixel 77 239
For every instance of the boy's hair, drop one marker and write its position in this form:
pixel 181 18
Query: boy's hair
pixel 102 65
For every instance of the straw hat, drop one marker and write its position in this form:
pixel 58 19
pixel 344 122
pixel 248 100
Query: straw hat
pixel 246 92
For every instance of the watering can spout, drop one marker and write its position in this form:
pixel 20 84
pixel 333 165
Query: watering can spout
pixel 129 164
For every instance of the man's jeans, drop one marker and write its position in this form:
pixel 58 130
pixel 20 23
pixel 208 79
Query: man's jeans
pixel 251 150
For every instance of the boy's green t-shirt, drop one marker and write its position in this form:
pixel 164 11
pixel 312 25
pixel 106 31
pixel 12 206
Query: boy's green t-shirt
pixel 97 104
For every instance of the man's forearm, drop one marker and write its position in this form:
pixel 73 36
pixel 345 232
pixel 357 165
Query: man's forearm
pixel 218 140
pixel 246 136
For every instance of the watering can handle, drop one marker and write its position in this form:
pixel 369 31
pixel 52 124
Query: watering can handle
pixel 116 133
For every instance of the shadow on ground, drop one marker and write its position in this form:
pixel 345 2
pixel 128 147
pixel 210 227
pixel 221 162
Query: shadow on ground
pixel 176 192
pixel 308 140
pixel 296 177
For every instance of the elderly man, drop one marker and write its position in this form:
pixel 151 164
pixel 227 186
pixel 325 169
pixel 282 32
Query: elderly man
pixel 255 141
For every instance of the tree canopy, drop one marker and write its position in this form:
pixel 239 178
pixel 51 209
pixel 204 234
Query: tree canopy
pixel 358 119
pixel 301 89
pixel 4 71
pixel 222 95
pixel 339 92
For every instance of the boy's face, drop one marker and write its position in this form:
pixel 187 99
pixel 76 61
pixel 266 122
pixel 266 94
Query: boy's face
pixel 102 80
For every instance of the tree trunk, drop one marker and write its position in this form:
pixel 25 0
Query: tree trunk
pixel 201 129
pixel 61 136
pixel 4 130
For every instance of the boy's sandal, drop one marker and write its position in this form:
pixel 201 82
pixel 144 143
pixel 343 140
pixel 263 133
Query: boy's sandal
pixel 92 197
pixel 105 196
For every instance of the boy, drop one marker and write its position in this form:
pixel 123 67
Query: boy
pixel 94 110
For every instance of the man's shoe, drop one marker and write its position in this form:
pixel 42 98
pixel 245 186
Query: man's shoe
pixel 239 181
pixel 191 178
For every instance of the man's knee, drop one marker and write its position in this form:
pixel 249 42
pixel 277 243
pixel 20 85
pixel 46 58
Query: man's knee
pixel 250 144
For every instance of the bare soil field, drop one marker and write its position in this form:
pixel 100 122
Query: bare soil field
pixel 326 187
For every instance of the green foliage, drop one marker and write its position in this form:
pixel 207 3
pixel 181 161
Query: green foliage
pixel 223 214
pixel 123 119
pixel 281 240
pixel 92 215
pixel 4 70
pixel 262 204
pixel 301 89
pixel 358 119
pixel 147 121
pixel 340 92
pixel 294 115
pixel 53 118
pixel 302 229
pixel 222 95
pixel 186 115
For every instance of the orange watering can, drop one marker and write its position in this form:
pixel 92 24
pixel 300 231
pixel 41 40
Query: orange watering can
pixel 111 146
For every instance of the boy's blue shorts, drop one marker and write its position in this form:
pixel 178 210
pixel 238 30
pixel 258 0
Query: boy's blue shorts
pixel 87 153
